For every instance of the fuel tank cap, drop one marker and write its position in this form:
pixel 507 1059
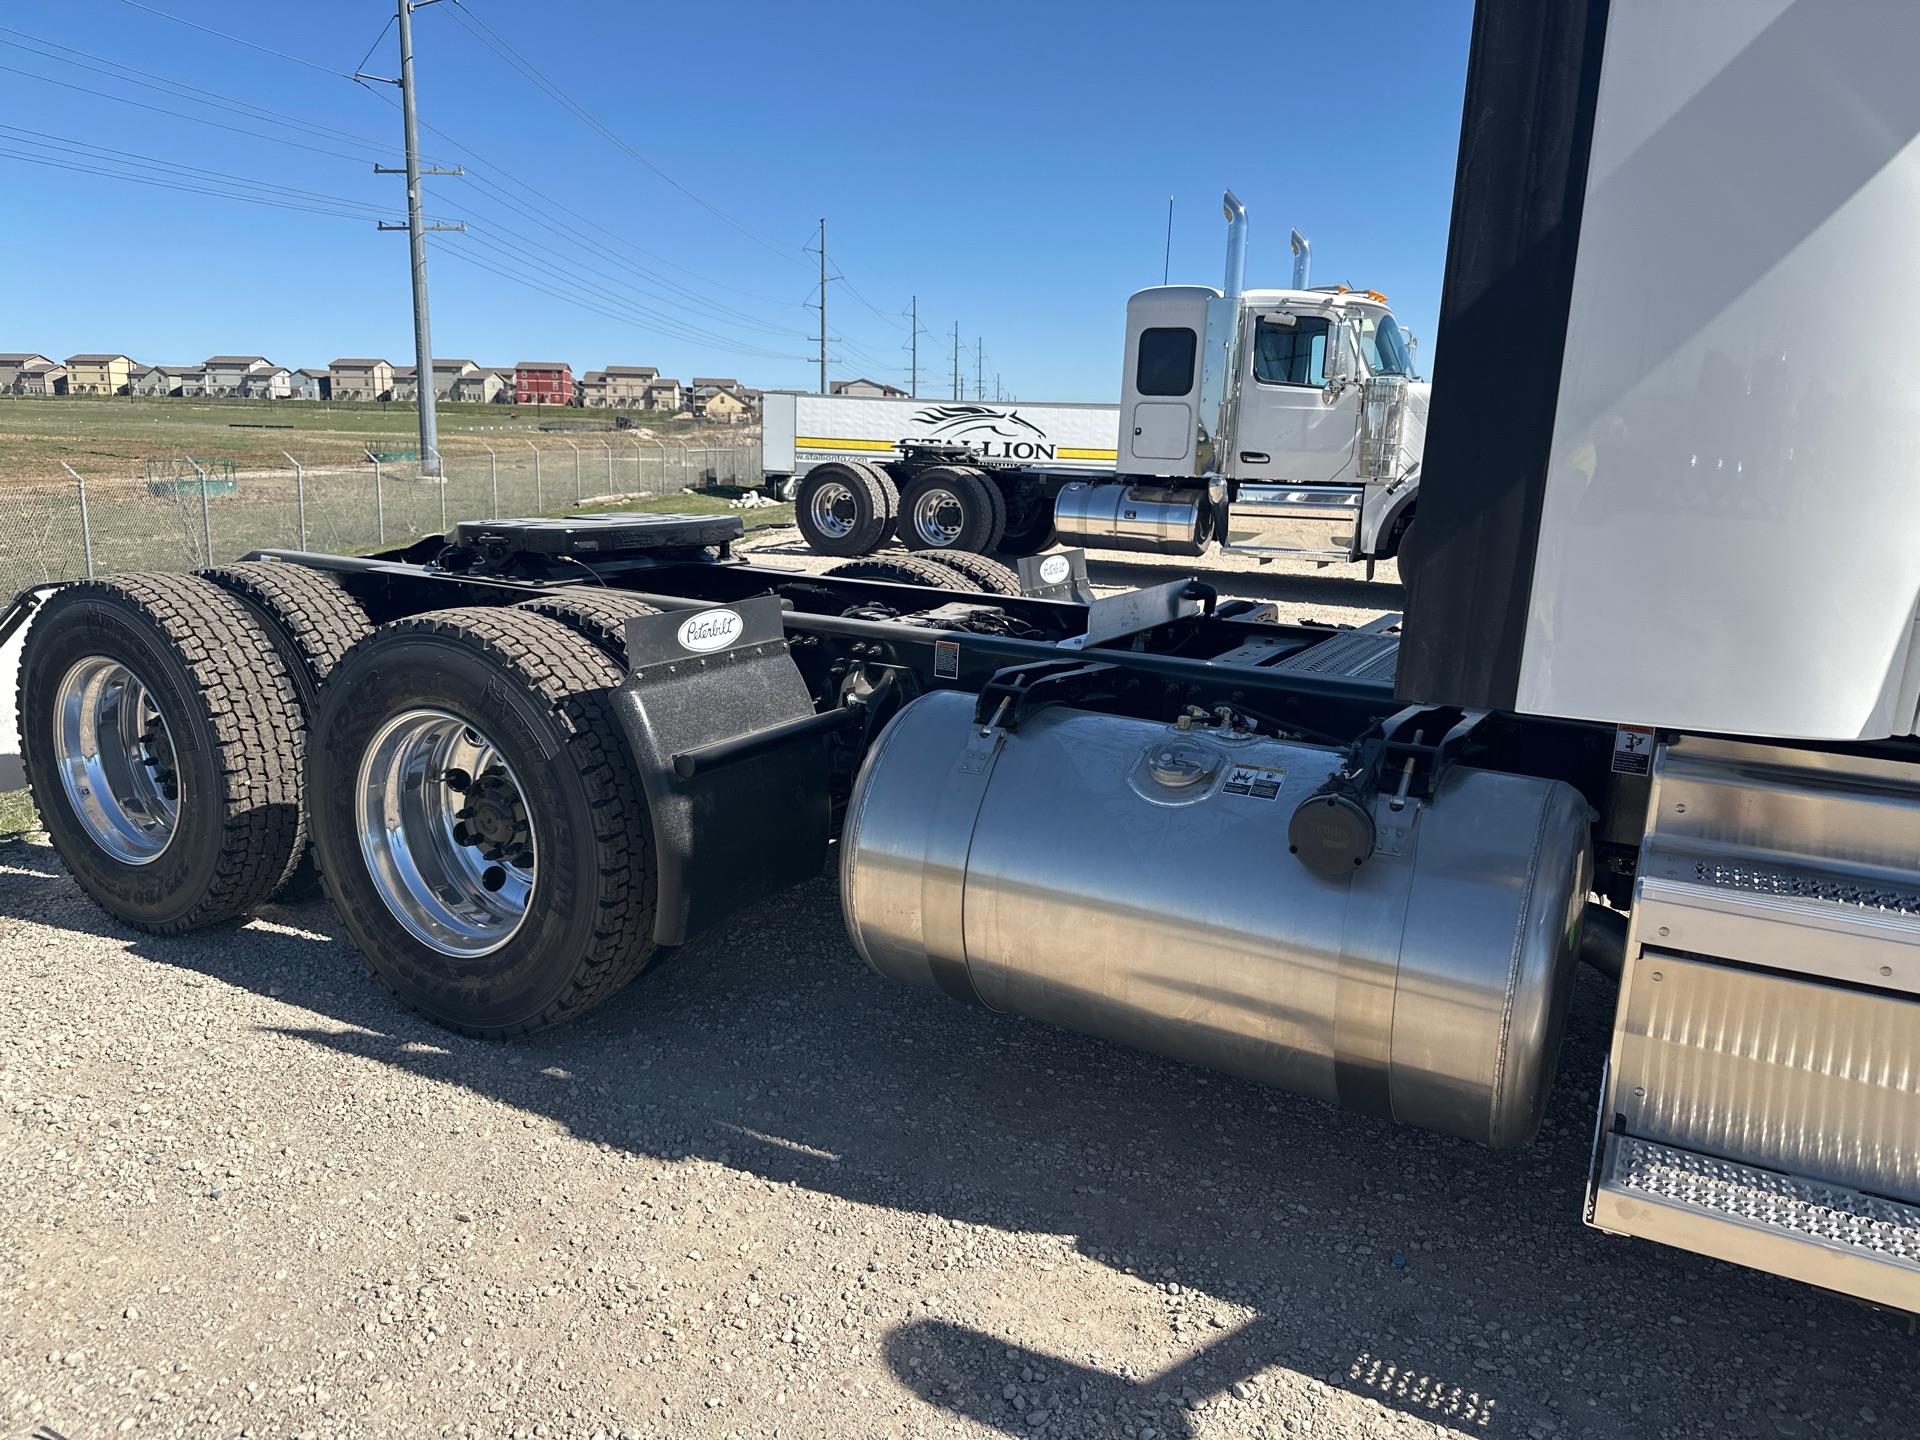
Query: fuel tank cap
pixel 1177 765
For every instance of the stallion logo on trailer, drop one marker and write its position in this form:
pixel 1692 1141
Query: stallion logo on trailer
pixel 996 434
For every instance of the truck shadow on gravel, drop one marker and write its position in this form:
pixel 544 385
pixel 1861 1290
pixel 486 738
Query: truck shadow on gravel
pixel 1277 1240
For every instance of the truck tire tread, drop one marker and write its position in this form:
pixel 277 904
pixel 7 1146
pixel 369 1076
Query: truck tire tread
pixel 980 572
pixel 573 679
pixel 899 570
pixel 597 614
pixel 250 708
pixel 310 617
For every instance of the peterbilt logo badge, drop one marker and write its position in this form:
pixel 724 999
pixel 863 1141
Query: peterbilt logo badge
pixel 710 630
pixel 998 434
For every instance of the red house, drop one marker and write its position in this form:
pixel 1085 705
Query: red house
pixel 543 382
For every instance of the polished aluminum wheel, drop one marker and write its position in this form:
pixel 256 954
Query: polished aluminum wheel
pixel 833 510
pixel 938 518
pixel 116 760
pixel 446 833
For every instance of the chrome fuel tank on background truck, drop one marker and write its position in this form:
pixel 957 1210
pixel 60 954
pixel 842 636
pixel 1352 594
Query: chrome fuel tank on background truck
pixel 1133 881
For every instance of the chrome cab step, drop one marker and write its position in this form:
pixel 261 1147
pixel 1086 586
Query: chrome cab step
pixel 1825 1235
pixel 1762 1101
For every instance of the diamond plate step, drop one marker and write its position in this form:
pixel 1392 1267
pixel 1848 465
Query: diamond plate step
pixel 1808 1230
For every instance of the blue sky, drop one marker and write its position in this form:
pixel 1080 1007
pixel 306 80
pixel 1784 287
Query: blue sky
pixel 1010 164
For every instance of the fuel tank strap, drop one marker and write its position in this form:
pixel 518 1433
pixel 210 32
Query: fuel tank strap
pixel 1377 897
pixel 943 877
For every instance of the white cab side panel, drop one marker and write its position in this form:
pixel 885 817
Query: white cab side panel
pixel 1730 538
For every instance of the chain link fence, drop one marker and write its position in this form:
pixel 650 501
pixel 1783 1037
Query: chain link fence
pixel 77 525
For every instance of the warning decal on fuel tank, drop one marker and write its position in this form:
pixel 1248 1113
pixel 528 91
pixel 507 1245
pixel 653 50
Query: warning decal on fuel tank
pixel 1260 782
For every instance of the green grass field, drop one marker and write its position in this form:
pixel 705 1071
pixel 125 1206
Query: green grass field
pixel 113 437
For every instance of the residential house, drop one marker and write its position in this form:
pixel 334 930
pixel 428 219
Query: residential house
pixel 361 379
pixel 709 382
pixel 139 377
pixel 481 386
pixel 867 389
pixel 227 374
pixel 268 382
pixel 446 373
pixel 619 387
pixel 154 380
pixel 99 374
pixel 710 402
pixel 665 394
pixel 543 382
pixel 310 385
pixel 179 380
pixel 12 365
pixel 41 377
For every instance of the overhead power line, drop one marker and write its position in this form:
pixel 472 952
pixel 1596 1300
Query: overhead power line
pixel 107 154
pixel 237 40
pixel 175 185
pixel 485 34
pixel 458 253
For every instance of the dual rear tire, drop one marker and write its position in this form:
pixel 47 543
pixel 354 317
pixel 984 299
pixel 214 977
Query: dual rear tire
pixel 474 812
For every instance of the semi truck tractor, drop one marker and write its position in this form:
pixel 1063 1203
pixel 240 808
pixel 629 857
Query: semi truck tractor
pixel 1307 444
pixel 1652 705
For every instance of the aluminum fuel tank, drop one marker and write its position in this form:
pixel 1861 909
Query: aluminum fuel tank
pixel 1151 518
pixel 1133 881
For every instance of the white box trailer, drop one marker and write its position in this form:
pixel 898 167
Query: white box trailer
pixel 802 431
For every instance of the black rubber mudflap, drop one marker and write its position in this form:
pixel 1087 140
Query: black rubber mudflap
pixel 732 833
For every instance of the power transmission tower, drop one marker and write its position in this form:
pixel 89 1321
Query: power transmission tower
pixel 959 392
pixel 416 228
pixel 823 305
pixel 913 383
pixel 979 369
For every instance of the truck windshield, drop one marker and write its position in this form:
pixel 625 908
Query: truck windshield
pixel 1385 346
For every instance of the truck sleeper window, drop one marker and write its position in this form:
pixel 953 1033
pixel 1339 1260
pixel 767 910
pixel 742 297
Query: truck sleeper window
pixel 1166 360
pixel 1293 354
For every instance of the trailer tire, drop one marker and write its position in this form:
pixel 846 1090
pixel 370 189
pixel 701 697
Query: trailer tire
pixel 843 508
pixel 192 823
pixel 899 570
pixel 562 784
pixel 982 573
pixel 595 614
pixel 951 507
pixel 312 621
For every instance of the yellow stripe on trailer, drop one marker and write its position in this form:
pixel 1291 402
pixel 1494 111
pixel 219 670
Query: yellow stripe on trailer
pixel 818 442
pixel 1066 452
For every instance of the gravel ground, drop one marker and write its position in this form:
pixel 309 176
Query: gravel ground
pixel 765 1193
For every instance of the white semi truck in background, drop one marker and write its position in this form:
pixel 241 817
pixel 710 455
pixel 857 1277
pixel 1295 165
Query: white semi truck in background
pixel 1307 444
pixel 1655 704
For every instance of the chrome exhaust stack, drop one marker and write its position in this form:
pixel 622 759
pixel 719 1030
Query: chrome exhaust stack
pixel 1302 260
pixel 1236 277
